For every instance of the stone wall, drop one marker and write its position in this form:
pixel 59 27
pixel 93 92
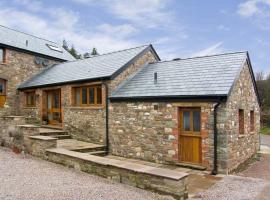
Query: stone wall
pixel 243 96
pixel 19 67
pixel 147 57
pixel 149 130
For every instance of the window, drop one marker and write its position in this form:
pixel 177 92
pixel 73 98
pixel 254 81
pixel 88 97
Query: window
pixel 191 120
pixel 2 92
pixel 30 99
pixel 2 55
pixel 87 96
pixel 252 121
pixel 241 121
pixel 55 48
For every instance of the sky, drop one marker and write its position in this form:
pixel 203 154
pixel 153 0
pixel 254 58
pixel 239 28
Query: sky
pixel 176 28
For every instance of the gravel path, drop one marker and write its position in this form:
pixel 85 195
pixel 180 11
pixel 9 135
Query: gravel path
pixel 265 140
pixel 34 179
pixel 237 188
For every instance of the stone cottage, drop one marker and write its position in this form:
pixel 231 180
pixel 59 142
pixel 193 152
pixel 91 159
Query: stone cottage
pixel 22 56
pixel 201 112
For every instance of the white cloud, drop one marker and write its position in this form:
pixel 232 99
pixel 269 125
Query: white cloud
pixel 57 24
pixel 213 49
pixel 248 8
pixel 253 7
pixel 257 11
pixel 118 31
pixel 147 14
pixel 221 27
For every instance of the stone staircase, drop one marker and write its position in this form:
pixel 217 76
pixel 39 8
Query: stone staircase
pixel 56 133
pixel 65 141
pixel 82 147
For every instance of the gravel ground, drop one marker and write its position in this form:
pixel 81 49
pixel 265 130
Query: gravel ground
pixel 237 188
pixel 260 169
pixel 34 179
pixel 265 140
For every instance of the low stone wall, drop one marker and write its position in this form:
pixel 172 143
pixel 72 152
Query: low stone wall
pixel 7 123
pixel 37 145
pixel 159 180
pixel 19 136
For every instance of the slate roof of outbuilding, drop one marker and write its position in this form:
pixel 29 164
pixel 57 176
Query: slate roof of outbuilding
pixel 17 39
pixel 199 76
pixel 96 67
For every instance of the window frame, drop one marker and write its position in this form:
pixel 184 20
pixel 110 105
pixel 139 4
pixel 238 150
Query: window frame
pixel 252 121
pixel 88 104
pixel 26 94
pixel 3 95
pixel 4 60
pixel 241 121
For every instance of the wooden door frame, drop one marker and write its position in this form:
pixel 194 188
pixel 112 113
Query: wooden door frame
pixel 45 110
pixel 180 125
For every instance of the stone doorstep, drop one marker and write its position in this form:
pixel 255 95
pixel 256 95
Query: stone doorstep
pixel 13 116
pixel 41 137
pixel 164 173
pixel 51 131
pixel 28 126
pixel 79 146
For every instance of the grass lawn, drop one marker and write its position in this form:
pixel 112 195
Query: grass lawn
pixel 265 130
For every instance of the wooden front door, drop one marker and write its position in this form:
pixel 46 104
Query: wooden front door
pixel 190 135
pixel 54 107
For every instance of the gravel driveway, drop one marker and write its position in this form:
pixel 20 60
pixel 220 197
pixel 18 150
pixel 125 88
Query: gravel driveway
pixel 251 184
pixel 34 179
pixel 265 140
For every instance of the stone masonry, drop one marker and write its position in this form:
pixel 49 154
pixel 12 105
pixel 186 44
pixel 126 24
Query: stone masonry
pixel 138 130
pixel 20 66
pixel 243 96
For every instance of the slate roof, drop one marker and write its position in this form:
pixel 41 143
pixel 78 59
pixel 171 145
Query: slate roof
pixel 199 76
pixel 17 39
pixel 101 66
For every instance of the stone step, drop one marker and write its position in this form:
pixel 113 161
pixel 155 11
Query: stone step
pixel 61 137
pixel 47 132
pixel 98 153
pixel 90 149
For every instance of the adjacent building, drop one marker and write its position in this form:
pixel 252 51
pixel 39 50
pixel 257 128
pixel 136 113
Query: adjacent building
pixel 22 56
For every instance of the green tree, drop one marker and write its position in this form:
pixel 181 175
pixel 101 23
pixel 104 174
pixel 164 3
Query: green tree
pixel 94 52
pixel 65 45
pixel 74 52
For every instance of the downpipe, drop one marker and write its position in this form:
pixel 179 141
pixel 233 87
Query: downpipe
pixel 215 167
pixel 107 120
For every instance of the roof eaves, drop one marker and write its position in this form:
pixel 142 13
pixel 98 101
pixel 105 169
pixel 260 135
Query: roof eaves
pixel 34 53
pixel 253 79
pixel 65 83
pixel 172 97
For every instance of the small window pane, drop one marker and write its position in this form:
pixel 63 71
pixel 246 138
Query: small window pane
pixel 91 95
pixel 241 121
pixel 77 96
pixel 1 55
pixel 186 121
pixel 84 95
pixel 99 95
pixel 56 100
pixel 252 121
pixel 1 88
pixel 196 121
